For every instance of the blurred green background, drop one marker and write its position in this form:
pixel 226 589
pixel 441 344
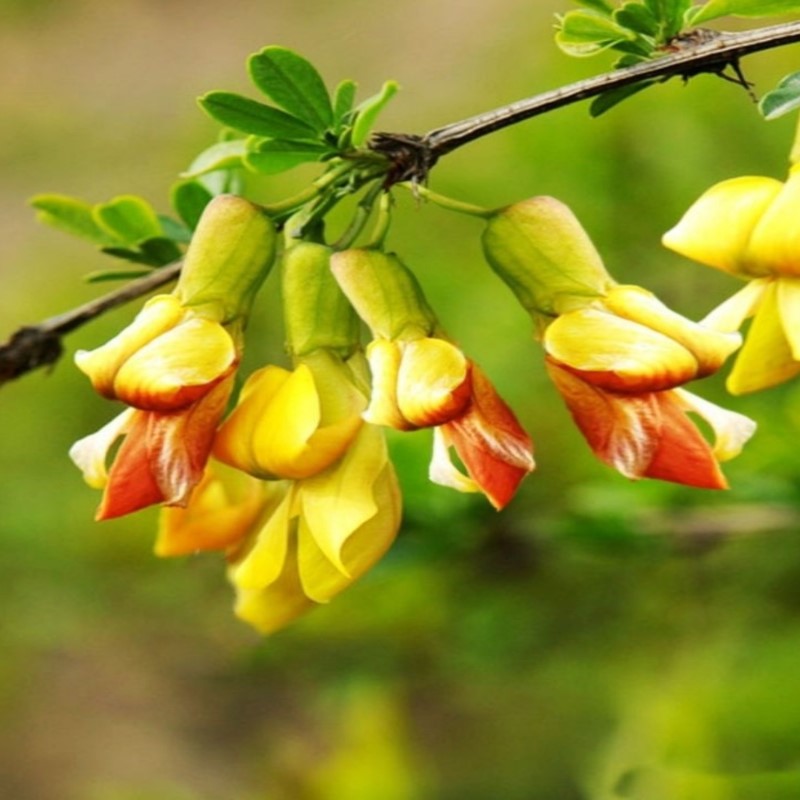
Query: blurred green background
pixel 599 639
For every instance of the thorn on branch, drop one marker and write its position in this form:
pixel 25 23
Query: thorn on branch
pixel 703 36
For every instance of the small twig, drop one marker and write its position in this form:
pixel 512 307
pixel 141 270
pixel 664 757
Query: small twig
pixel 34 346
pixel 413 156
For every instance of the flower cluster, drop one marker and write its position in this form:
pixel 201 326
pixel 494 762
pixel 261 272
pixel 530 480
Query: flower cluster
pixel 295 486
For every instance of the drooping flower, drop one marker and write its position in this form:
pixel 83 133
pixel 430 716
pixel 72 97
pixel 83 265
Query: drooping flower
pixel 325 533
pixel 619 376
pixel 331 508
pixel 748 227
pixel 420 379
pixel 616 353
pixel 174 366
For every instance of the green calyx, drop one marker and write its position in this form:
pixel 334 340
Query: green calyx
pixel 384 293
pixel 229 257
pixel 540 250
pixel 317 315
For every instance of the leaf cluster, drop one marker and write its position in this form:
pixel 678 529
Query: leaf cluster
pixel 303 123
pixel 126 227
pixel 643 29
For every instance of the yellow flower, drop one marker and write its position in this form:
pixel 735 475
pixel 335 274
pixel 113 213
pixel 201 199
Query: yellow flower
pixel 421 380
pixel 319 536
pixel 619 362
pixel 337 508
pixel 293 424
pixel 748 227
pixel 429 382
pixel 175 371
pixel 174 365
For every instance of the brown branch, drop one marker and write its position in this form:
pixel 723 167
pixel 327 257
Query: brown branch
pixel 34 346
pixel 413 156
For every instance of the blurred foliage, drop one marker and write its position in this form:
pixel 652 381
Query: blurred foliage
pixel 598 640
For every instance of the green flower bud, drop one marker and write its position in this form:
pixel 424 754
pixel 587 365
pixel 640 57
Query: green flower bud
pixel 540 250
pixel 385 294
pixel 228 258
pixel 316 313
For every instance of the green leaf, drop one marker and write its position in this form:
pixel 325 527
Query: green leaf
pixel 160 251
pixel 602 6
pixel 584 33
pixel 343 100
pixel 368 111
pixel 222 155
pixel 175 230
pixel 250 116
pixel 116 275
pixel 128 218
pixel 293 83
pixel 612 97
pixel 741 8
pixel 189 198
pixel 670 14
pixel 155 252
pixel 70 215
pixel 279 155
pixel 785 97
pixel 638 18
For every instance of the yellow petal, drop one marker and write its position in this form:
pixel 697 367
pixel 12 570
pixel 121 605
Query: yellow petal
pixel 730 315
pixel 618 354
pixel 89 454
pixel 235 439
pixel 274 606
pixel 788 296
pixel 710 347
pixel 157 316
pixel 766 358
pixel 384 360
pixel 716 230
pixel 264 561
pixel 223 510
pixel 338 501
pixel 432 382
pixel 775 243
pixel 177 367
pixel 322 580
pixel 731 430
pixel 286 424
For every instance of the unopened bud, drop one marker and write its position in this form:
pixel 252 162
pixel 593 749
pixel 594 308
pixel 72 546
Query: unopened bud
pixel 316 312
pixel 542 252
pixel 228 258
pixel 385 293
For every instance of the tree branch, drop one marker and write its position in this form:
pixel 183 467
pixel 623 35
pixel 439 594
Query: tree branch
pixel 34 346
pixel 413 156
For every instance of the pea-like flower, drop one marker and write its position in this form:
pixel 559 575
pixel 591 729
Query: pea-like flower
pixel 325 533
pixel 617 355
pixel 339 504
pixel 174 366
pixel 420 380
pixel 748 227
pixel 619 362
